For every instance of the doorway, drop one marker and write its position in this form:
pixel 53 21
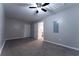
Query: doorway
pixel 41 30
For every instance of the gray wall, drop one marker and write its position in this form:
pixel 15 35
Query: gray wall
pixel 26 29
pixel 2 40
pixel 68 28
pixel 32 30
pixel 16 29
pixel 36 30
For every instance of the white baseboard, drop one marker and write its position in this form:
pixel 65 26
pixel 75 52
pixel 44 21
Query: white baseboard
pixel 2 48
pixel 77 49
pixel 15 38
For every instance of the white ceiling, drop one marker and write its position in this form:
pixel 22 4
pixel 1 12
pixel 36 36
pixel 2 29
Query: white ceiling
pixel 22 11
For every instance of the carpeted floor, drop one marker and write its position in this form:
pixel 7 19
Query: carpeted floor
pixel 31 47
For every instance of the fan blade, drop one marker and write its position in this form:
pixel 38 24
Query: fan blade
pixel 45 4
pixel 32 7
pixel 43 9
pixel 36 11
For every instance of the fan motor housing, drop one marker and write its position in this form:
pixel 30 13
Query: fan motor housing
pixel 39 5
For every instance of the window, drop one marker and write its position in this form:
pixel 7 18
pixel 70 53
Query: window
pixel 55 27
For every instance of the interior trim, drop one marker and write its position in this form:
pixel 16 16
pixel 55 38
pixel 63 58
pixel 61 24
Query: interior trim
pixel 63 45
pixel 2 47
pixel 17 38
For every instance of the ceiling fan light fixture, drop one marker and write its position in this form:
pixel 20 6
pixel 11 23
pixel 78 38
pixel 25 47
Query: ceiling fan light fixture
pixel 39 9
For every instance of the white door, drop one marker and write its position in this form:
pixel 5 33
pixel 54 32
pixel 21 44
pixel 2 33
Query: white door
pixel 40 31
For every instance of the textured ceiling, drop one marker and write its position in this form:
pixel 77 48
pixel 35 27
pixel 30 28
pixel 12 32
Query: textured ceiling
pixel 21 11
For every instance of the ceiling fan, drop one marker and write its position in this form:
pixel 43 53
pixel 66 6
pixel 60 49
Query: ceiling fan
pixel 41 6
